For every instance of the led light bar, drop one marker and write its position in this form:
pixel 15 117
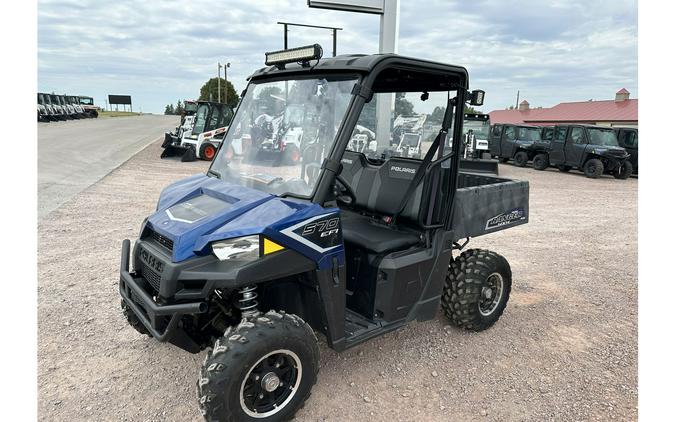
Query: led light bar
pixel 293 55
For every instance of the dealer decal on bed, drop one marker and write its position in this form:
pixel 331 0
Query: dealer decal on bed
pixel 506 218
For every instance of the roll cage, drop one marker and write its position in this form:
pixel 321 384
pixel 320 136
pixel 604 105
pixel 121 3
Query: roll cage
pixel 388 73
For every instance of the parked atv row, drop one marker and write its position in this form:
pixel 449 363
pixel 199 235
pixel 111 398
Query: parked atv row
pixel 594 150
pixel 52 107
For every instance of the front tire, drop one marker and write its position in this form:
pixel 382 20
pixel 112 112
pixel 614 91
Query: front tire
pixel 594 168
pixel 133 320
pixel 291 155
pixel 207 151
pixel 624 171
pixel 520 159
pixel 540 161
pixel 477 288
pixel 262 370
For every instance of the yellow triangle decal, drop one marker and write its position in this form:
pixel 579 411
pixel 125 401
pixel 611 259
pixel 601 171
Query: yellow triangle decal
pixel 270 247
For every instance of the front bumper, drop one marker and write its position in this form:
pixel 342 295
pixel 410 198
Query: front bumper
pixel 161 292
pixel 613 162
pixel 161 320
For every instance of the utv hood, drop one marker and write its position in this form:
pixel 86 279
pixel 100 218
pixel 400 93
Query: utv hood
pixel 610 152
pixel 196 211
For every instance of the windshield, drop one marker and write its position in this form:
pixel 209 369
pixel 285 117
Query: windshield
pixel 200 119
pixel 605 137
pixel 40 99
pixel 480 128
pixel 282 133
pixel 530 134
pixel 86 101
pixel 190 106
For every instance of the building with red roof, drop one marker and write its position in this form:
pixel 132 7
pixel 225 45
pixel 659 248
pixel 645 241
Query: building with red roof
pixel 622 111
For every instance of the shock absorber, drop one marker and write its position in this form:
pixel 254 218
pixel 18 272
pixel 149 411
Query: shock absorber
pixel 247 303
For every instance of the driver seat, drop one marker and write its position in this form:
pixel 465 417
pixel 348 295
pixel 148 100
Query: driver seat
pixel 374 236
pixel 378 191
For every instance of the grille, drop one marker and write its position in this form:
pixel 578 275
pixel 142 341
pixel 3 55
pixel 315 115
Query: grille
pixel 150 276
pixel 164 241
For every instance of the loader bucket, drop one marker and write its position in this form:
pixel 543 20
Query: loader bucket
pixel 172 151
pixel 168 140
pixel 481 166
pixel 189 155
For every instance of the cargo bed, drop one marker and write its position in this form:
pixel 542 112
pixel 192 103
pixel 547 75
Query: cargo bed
pixel 487 204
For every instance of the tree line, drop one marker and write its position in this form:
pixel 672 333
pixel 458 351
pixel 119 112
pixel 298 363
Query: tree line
pixel 209 92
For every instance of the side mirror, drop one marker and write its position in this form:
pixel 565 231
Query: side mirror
pixel 477 97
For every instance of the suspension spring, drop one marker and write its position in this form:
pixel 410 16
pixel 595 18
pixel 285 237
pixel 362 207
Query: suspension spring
pixel 247 303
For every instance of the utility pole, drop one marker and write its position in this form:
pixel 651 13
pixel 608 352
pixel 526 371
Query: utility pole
pixel 225 66
pixel 219 66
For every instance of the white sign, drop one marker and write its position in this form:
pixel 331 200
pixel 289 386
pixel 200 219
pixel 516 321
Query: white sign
pixel 360 6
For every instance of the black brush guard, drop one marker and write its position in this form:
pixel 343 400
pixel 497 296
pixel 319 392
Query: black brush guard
pixel 150 313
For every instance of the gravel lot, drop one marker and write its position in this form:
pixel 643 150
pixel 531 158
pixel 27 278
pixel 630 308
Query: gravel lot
pixel 74 154
pixel 565 348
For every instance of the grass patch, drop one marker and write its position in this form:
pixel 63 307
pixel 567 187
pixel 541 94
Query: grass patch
pixel 117 113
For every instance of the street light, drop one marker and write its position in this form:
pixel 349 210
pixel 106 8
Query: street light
pixel 224 67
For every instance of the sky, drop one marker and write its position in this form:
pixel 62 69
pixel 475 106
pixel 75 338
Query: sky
pixel 162 51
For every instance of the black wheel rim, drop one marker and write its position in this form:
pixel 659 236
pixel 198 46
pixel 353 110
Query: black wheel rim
pixel 491 294
pixel 271 384
pixel 592 169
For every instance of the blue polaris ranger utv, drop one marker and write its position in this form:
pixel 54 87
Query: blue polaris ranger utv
pixel 252 258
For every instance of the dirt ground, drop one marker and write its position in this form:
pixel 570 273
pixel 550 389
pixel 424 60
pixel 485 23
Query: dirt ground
pixel 565 348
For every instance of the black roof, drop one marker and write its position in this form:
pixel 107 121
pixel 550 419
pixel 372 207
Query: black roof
pixel 205 102
pixel 360 63
pixel 520 125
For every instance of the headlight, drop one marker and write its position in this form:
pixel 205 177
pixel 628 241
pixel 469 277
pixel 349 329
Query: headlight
pixel 245 248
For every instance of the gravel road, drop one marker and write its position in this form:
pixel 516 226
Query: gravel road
pixel 565 348
pixel 74 154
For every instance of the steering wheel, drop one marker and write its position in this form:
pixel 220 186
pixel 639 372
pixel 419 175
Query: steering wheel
pixel 347 188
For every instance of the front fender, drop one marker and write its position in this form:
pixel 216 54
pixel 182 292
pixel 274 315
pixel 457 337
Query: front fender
pixel 198 277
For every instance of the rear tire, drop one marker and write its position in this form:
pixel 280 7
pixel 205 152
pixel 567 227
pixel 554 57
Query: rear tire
pixel 594 168
pixel 623 171
pixel 520 159
pixel 262 356
pixel 207 151
pixel 476 290
pixel 540 161
pixel 133 320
